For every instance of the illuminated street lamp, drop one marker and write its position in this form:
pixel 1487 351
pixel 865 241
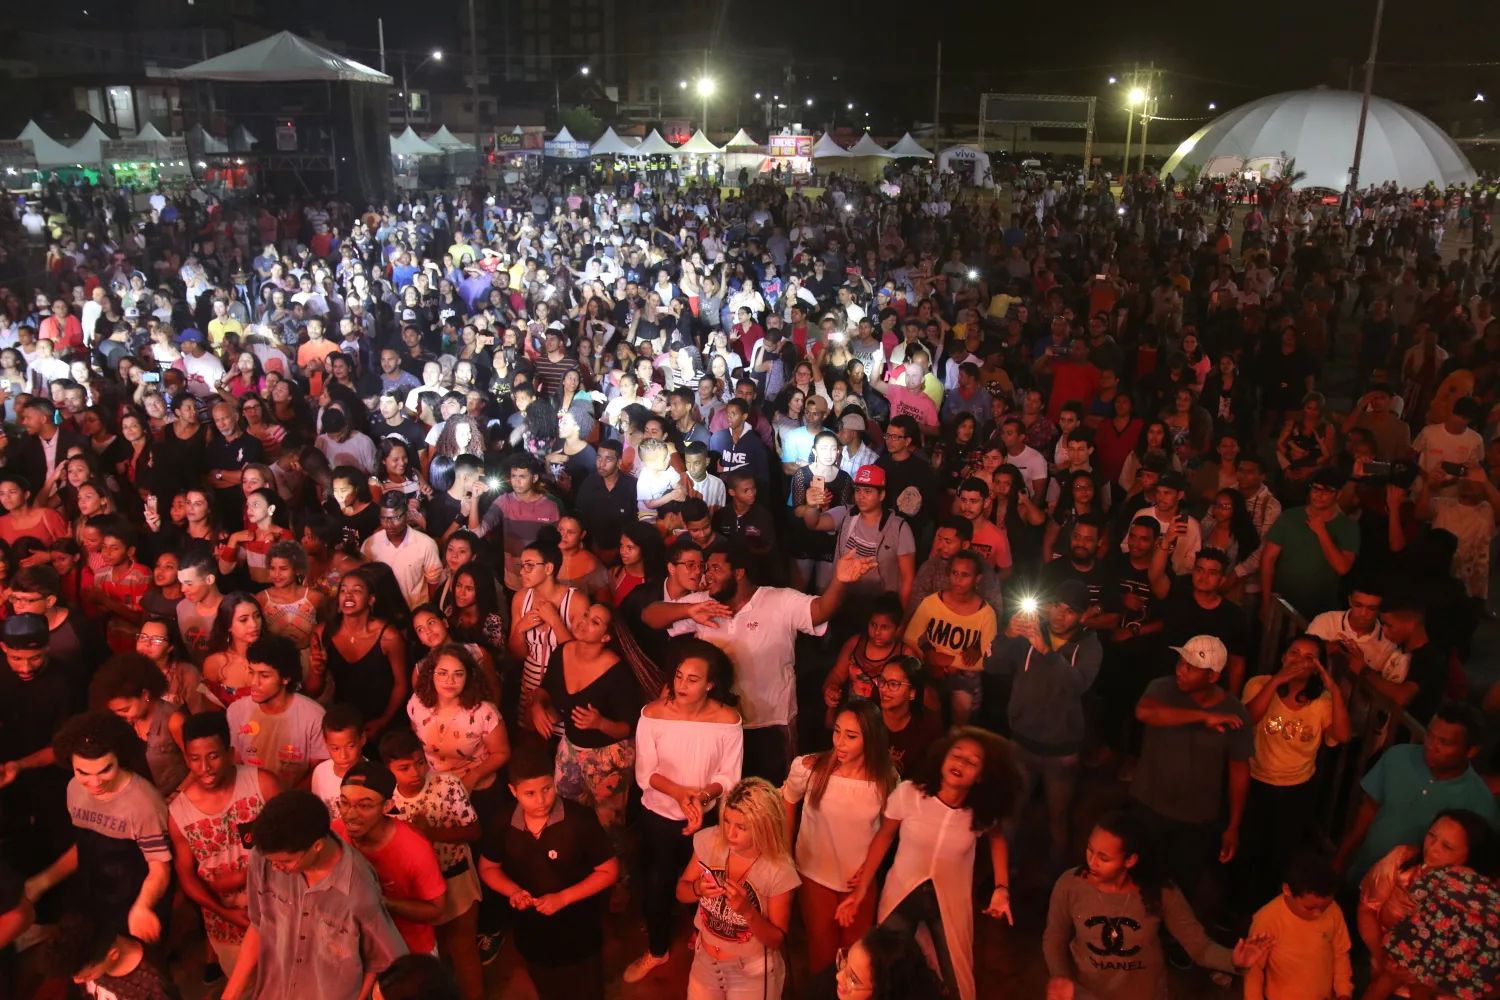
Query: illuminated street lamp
pixel 1112 80
pixel 705 87
pixel 1137 95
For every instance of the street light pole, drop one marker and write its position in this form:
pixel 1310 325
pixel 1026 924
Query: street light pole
pixel 405 93
pixel 1364 103
pixel 474 68
pixel 1129 120
pixel 1147 109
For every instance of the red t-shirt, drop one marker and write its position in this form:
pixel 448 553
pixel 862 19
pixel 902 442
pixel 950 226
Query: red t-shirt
pixel 1071 381
pixel 407 868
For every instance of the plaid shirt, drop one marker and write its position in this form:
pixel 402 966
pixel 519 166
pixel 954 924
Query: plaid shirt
pixel 861 458
pixel 1264 510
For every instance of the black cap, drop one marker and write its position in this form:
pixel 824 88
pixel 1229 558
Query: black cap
pixel 1330 479
pixel 1155 461
pixel 1174 481
pixel 372 775
pixel 25 632
pixel 1074 593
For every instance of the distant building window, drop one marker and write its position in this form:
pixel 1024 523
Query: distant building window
pixel 652 93
pixel 593 41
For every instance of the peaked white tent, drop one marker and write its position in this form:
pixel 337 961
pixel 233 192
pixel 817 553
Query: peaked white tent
pixel 408 143
pixel 150 134
pixel 563 135
pixel 654 145
pixel 282 57
pixel 241 141
pixel 88 150
pixel 907 146
pixel 445 140
pixel 699 143
pixel 201 138
pixel 49 152
pixel 610 144
pixel 868 147
pixel 826 147
pixel 741 138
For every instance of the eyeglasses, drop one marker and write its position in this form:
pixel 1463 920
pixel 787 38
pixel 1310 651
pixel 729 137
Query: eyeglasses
pixel 151 640
pixel 841 964
pixel 890 684
pixel 531 564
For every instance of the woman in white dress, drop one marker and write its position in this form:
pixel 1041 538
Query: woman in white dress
pixel 968 787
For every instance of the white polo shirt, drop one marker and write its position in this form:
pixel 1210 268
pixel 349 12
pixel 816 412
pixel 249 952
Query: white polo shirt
pixel 761 643
pixel 411 561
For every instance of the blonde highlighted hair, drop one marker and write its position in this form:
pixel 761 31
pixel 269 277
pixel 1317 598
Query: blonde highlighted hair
pixel 760 803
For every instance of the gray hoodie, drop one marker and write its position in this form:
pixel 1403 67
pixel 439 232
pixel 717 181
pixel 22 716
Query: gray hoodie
pixel 1046 693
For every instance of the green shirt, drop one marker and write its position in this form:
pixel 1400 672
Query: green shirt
pixel 1303 575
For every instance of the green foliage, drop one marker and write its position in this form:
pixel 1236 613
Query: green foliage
pixel 581 121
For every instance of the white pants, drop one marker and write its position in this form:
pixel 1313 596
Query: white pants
pixel 751 978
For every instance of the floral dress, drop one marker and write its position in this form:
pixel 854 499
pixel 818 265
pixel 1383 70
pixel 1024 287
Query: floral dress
pixel 454 743
pixel 1451 941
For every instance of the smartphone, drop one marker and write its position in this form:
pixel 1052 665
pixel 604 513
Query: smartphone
pixel 717 877
pixel 151 377
pixel 817 483
pixel 1453 468
pixel 1377 468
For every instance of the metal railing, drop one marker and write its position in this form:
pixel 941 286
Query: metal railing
pixel 1379 723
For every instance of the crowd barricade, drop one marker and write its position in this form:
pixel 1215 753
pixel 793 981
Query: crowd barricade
pixel 1378 723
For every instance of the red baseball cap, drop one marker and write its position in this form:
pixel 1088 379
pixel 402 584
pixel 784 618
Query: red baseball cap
pixel 870 475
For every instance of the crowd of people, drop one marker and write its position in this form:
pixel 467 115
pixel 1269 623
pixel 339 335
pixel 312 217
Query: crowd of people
pixel 382 586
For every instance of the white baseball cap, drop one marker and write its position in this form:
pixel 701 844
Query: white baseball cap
pixel 1205 652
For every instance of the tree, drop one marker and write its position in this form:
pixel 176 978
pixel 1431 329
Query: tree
pixel 581 121
pixel 1289 172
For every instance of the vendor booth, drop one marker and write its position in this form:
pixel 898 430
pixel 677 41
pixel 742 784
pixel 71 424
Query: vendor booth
pixel 867 159
pixel 969 161
pixel 792 154
pixel 408 153
pixel 698 157
pixel 909 148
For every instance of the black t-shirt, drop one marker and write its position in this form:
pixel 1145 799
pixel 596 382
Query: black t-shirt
pixel 410 431
pixel 910 473
pixel 1123 580
pixel 1058 571
pixel 604 510
pixel 1428 670
pixel 570 847
pixel 359 526
pixel 442 510
pixel 1183 618
pixel 754 526
pixel 233 455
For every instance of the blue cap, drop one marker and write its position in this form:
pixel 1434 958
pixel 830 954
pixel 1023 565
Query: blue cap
pixel 188 335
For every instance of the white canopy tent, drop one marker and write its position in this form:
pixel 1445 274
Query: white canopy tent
pixel 150 134
pixel 907 146
pixel 88 150
pixel 49 152
pixel 241 141
pixel 447 141
pixel 741 138
pixel 610 144
pixel 408 143
pixel 282 57
pixel 655 145
pixel 563 135
pixel 699 143
pixel 206 142
pixel 1317 128
pixel 869 147
pixel 825 148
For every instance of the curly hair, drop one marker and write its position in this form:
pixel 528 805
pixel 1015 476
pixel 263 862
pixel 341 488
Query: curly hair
pixel 899 968
pixel 126 675
pixel 97 733
pixel 475 689
pixel 994 796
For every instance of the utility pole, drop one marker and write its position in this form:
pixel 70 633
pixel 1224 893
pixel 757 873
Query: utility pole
pixel 703 92
pixel 937 95
pixel 474 68
pixel 1364 103
pixel 1129 118
pixel 380 29
pixel 1148 108
pixel 405 94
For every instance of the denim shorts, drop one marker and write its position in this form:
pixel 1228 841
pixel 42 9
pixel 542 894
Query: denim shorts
pixel 970 682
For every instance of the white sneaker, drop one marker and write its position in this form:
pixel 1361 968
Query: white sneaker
pixel 643 966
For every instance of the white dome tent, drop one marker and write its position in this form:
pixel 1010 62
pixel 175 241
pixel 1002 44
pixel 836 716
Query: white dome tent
pixel 1317 129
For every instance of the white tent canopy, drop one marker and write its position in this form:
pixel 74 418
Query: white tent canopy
pixel 445 140
pixel 87 150
pixel 563 135
pixel 868 147
pixel 1317 129
pixel 699 143
pixel 826 147
pixel 408 143
pixel 49 152
pixel 741 138
pixel 610 144
pixel 150 134
pixel 967 160
pixel 282 57
pixel 208 142
pixel 654 145
pixel 908 146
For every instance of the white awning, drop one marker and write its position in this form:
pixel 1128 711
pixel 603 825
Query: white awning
pixel 699 143
pixel 408 143
pixel 826 147
pixel 654 145
pixel 443 139
pixel 741 138
pixel 49 152
pixel 610 144
pixel 909 147
pixel 88 150
pixel 281 58
pixel 563 135
pixel 150 134
pixel 868 147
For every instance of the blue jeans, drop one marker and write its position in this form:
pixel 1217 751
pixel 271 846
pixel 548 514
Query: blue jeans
pixel 1058 777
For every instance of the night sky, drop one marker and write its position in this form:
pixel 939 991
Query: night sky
pixel 882 52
